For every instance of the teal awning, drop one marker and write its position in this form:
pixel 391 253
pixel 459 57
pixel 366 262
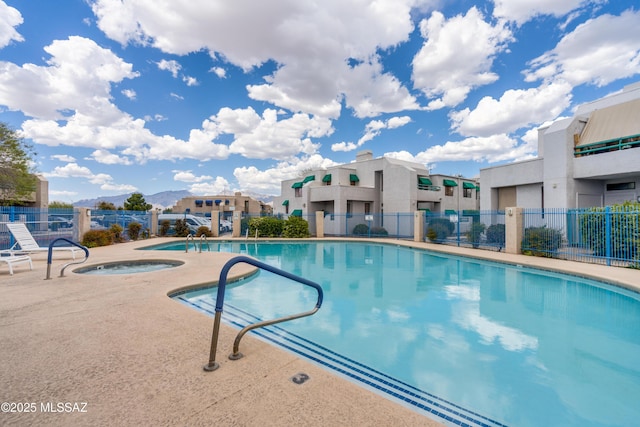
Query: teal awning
pixel 424 181
pixel 450 212
pixel 449 183
pixel 285 203
pixel 327 178
pixel 297 212
pixel 478 187
pixel 426 210
pixel 470 212
pixel 309 178
pixel 297 184
pixel 468 185
pixel 353 178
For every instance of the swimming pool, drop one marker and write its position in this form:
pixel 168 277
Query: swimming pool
pixel 478 342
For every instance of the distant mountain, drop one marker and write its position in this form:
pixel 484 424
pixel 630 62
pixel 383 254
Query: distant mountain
pixel 164 199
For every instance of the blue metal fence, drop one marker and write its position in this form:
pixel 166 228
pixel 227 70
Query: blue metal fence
pixel 45 225
pixel 468 228
pixel 608 235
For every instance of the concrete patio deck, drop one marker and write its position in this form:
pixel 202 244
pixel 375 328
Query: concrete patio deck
pixel 118 351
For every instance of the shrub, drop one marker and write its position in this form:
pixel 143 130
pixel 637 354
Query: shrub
pixel 267 226
pixel 439 229
pixel 361 230
pixel 133 228
pixel 295 227
pixel 624 224
pixel 541 241
pixel 432 234
pixel 95 238
pixel 496 235
pixel 474 233
pixel 116 230
pixel 181 228
pixel 165 226
pixel 203 229
pixel 379 231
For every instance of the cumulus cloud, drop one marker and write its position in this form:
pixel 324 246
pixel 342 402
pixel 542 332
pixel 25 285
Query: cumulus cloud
pixel 521 11
pixel 592 53
pixel 219 71
pixel 516 108
pixel 172 66
pixel 219 185
pixel 310 41
pixel 73 170
pixel 372 129
pixel 457 56
pixel 188 176
pixel 9 19
pixel 64 158
pixel 129 93
pixel 107 158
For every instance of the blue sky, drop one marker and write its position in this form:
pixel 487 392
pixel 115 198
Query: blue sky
pixel 216 96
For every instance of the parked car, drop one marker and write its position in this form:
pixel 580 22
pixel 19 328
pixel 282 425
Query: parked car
pixel 225 226
pixel 193 222
pixel 58 222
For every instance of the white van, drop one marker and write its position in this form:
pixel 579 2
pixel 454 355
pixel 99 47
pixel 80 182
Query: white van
pixel 192 221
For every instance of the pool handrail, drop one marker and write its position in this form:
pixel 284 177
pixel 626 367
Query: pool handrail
pixel 50 256
pixel 186 242
pixel 203 237
pixel 212 365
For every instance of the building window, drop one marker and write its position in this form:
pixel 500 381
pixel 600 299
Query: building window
pixel 448 191
pixel 621 186
pixel 349 209
pixel 468 193
pixel 353 179
pixel 367 208
pixel 198 203
pixel 298 192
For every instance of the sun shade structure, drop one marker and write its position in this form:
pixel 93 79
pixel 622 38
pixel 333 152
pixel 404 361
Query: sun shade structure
pixel 354 178
pixel 297 184
pixel 468 186
pixel 450 212
pixel 612 123
pixel 285 203
pixel 327 178
pixel 309 178
pixel 449 183
pixel 297 212
pixel 28 244
pixel 424 181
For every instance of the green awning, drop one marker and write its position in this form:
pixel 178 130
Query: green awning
pixel 449 183
pixel 450 212
pixel 285 203
pixel 468 185
pixel 470 212
pixel 478 187
pixel 297 184
pixel 353 178
pixel 297 212
pixel 427 210
pixel 424 181
pixel 327 178
pixel 309 178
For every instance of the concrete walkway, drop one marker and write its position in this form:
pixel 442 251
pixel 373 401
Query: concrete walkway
pixel 115 350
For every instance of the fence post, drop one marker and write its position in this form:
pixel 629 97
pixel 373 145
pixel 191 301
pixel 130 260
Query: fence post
pixel 319 224
pixel 513 230
pixel 418 226
pixel 607 233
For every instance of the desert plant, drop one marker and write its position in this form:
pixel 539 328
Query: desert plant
pixel 181 228
pixel 133 229
pixel 203 230
pixel 116 230
pixel 165 226
pixel 439 230
pixel 541 241
pixel 475 233
pixel 295 227
pixel 95 238
pixel 379 231
pixel 266 226
pixel 432 234
pixel 361 230
pixel 496 235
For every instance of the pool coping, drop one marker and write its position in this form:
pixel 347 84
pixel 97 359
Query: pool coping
pixel 133 355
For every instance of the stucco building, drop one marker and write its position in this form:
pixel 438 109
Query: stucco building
pixel 591 159
pixel 225 204
pixel 371 186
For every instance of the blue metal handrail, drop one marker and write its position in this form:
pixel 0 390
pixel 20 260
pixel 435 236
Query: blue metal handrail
pixel 50 256
pixel 222 283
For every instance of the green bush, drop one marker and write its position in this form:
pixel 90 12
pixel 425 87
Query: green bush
pixel 541 241
pixel 474 233
pixel 295 227
pixel 379 231
pixel 496 235
pixel 624 238
pixel 361 230
pixel 95 238
pixel 439 229
pixel 203 230
pixel 116 230
pixel 267 226
pixel 181 228
pixel 133 228
pixel 165 226
pixel 432 234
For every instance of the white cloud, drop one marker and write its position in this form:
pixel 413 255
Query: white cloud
pixel 457 56
pixel 310 41
pixel 372 129
pixel 219 185
pixel 73 170
pixel 188 176
pixel 516 108
pixel 63 158
pixel 129 93
pixel 190 81
pixel 172 66
pixel 219 71
pixel 592 53
pixel 521 11
pixel 9 19
pixel 107 158
pixel 268 181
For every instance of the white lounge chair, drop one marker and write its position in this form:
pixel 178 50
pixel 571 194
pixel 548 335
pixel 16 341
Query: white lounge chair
pixel 12 259
pixel 28 244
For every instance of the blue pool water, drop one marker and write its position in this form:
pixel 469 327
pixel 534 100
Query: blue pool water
pixel 473 342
